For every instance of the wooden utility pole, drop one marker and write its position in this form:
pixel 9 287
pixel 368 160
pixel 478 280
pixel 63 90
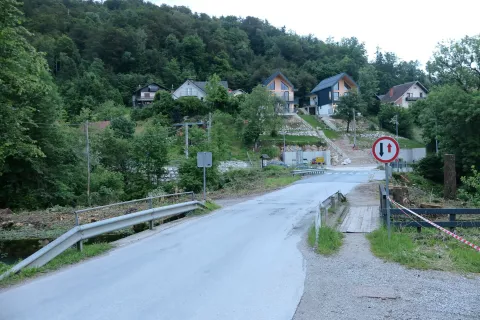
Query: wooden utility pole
pixel 449 177
pixel 186 140
pixel 88 162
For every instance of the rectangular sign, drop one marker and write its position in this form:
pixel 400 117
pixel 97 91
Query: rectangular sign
pixel 204 159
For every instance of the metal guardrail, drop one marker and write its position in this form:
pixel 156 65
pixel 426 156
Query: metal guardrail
pixel 86 231
pixel 308 171
pixel 322 214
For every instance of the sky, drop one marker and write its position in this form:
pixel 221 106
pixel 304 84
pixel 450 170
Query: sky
pixel 409 28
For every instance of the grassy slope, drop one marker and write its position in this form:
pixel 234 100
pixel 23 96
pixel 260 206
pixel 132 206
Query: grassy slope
pixel 291 139
pixel 429 249
pixel 314 122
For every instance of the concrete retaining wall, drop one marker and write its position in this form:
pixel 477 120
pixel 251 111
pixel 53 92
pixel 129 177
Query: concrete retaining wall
pixel 411 155
pixel 291 157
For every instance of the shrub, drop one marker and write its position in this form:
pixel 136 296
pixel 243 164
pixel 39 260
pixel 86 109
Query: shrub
pixel 271 151
pixel 431 168
pixel 470 190
pixel 386 118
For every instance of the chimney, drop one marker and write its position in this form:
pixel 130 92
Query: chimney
pixel 391 92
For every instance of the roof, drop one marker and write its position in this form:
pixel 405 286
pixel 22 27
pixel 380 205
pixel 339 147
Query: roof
pixel 273 76
pixel 399 91
pixel 380 97
pixel 329 82
pixel 153 83
pixel 202 85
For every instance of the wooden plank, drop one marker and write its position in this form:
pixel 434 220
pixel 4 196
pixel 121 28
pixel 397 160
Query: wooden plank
pixel 361 220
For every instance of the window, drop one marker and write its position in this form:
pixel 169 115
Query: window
pixel 409 95
pixel 336 86
pixel 271 86
pixel 286 96
pixel 421 94
pixel 335 96
pixel 347 87
pixel 189 92
pixel 283 86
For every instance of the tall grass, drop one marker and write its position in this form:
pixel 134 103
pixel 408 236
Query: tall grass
pixel 329 240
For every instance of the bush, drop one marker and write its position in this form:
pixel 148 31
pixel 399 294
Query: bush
pixel 191 177
pixel 431 168
pixel 123 127
pixel 386 118
pixel 372 127
pixel 271 151
pixel 470 191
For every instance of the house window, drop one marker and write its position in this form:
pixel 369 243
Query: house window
pixel 285 96
pixel 335 96
pixel 271 86
pixel 283 86
pixel 409 95
pixel 347 87
pixel 421 94
pixel 336 86
pixel 189 91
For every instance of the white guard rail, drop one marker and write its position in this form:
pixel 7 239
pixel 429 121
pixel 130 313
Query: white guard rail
pixel 86 231
pixel 322 214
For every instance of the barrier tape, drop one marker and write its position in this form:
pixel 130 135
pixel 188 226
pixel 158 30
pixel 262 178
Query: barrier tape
pixel 437 226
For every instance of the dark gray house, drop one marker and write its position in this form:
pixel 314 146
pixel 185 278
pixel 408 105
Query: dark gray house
pixel 324 97
pixel 145 95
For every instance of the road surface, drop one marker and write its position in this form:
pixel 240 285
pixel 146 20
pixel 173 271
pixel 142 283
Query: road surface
pixel 240 262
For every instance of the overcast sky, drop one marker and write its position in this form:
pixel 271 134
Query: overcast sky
pixel 410 28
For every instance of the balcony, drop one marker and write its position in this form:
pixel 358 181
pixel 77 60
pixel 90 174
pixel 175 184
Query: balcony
pixel 414 98
pixel 284 97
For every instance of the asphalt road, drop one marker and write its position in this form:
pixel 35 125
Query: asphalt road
pixel 241 262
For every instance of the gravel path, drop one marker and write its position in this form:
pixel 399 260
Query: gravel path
pixel 354 284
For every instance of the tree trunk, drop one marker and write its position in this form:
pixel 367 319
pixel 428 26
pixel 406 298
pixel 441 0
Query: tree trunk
pixel 348 125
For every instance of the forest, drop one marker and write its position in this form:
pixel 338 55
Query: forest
pixel 65 62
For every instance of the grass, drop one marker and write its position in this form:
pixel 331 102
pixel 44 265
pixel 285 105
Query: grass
pixel 314 122
pixel 277 182
pixel 292 139
pixel 68 257
pixel 409 144
pixel 329 240
pixel 430 249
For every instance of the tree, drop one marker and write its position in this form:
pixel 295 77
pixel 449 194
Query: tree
pixel 347 104
pixel 387 118
pixel 457 62
pixel 452 115
pixel 369 88
pixel 123 127
pixel 258 114
pixel 217 95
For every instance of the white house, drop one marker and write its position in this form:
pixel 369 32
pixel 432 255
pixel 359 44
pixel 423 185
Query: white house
pixel 192 88
pixel 405 94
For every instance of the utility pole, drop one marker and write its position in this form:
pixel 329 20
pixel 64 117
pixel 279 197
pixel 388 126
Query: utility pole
pixel 88 162
pixel 186 140
pixel 354 130
pixel 209 125
pixel 284 147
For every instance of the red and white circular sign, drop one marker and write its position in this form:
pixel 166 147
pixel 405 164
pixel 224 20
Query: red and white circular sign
pixel 385 149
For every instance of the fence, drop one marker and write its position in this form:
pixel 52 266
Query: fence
pixel 86 231
pixel 321 216
pixel 452 213
pixel 304 172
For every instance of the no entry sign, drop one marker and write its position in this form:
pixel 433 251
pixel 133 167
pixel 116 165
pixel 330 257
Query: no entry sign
pixel 385 149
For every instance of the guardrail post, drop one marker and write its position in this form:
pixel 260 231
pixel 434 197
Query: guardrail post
pixel 193 196
pixel 150 206
pixel 79 243
pixel 452 218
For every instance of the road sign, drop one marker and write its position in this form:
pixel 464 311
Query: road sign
pixel 204 159
pixel 385 149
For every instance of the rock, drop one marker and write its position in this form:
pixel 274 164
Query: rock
pixel 7 225
pixel 93 220
pixel 5 211
pixel 400 195
pixel 18 225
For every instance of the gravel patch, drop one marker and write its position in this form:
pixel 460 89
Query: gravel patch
pixel 354 284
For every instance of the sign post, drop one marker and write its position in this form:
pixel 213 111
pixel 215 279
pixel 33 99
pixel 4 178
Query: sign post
pixel 386 150
pixel 204 160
